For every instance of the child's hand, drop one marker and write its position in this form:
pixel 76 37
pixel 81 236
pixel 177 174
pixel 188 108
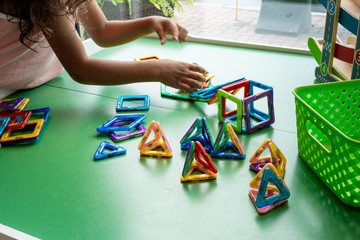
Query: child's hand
pixel 181 75
pixel 164 26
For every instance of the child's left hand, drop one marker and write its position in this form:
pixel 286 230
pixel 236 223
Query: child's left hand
pixel 164 26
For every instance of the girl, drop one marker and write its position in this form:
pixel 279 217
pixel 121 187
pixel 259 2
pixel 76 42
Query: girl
pixel 38 39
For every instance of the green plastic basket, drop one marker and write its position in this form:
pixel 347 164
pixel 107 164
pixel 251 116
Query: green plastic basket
pixel 328 131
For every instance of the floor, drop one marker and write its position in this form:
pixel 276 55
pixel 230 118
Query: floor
pixel 217 21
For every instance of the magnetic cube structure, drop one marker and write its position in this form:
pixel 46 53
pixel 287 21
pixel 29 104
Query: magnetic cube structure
pixel 245 111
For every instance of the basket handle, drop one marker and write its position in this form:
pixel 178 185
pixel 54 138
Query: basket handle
pixel 325 142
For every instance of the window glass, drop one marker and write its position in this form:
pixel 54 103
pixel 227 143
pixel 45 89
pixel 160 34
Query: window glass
pixel 280 23
pixel 276 23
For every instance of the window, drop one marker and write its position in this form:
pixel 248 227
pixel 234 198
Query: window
pixel 276 23
pixel 281 24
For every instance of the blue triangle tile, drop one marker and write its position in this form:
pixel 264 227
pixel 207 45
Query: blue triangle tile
pixel 115 150
pixel 261 200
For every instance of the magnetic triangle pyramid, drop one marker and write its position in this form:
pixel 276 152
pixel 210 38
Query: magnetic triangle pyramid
pixel 202 164
pixel 276 157
pixel 265 196
pixel 11 104
pixel 227 144
pixel 158 146
pixel 115 150
pixel 199 131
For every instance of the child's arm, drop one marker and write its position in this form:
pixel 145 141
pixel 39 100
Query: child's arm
pixel 109 33
pixel 71 53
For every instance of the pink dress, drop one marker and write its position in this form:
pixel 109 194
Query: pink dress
pixel 21 67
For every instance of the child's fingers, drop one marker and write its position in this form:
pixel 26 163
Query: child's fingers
pixel 162 40
pixel 197 68
pixel 182 33
pixel 188 84
pixel 162 36
pixel 174 30
pixel 181 40
pixel 185 87
pixel 197 76
pixel 195 84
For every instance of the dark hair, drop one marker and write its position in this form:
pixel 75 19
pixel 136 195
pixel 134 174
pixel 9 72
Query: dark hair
pixel 40 13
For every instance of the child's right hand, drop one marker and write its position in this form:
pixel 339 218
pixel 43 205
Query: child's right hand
pixel 166 26
pixel 181 75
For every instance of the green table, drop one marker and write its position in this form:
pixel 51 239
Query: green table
pixel 53 189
